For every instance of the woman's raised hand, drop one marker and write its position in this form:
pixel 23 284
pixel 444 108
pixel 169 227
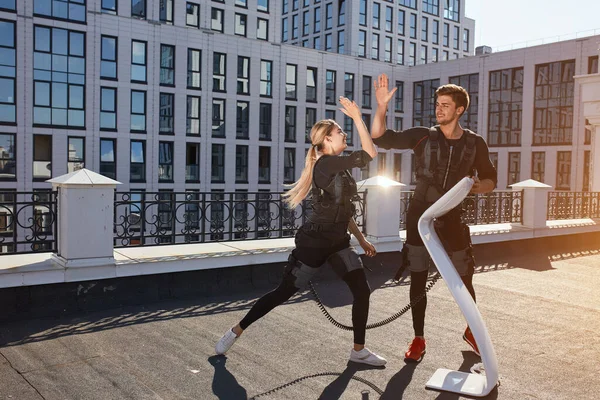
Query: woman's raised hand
pixel 350 108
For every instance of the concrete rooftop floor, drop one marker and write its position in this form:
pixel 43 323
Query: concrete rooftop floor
pixel 539 300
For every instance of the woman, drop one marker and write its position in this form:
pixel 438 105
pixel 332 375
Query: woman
pixel 324 237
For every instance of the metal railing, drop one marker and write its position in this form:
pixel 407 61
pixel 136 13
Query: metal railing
pixel 573 205
pixel 161 218
pixel 478 209
pixel 28 222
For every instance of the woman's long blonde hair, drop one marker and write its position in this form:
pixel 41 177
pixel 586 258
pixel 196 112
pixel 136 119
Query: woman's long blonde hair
pixel 300 188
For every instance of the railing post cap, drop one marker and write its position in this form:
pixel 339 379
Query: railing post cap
pixel 530 184
pixel 83 177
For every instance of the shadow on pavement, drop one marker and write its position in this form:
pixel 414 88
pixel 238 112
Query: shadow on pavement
pixel 336 389
pixel 224 384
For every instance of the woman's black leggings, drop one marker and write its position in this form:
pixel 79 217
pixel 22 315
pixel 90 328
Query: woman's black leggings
pixel 356 281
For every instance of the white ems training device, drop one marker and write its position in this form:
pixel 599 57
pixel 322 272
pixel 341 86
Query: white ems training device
pixel 445 379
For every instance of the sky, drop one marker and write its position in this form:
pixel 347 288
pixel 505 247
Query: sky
pixel 503 24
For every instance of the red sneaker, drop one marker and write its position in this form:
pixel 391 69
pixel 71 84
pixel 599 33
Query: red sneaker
pixel 468 337
pixel 416 350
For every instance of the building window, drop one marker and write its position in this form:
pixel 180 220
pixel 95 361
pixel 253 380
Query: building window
pixel 349 86
pixel 242 120
pixel 264 131
pixel 76 154
pixel 413 26
pixel 362 43
pixel 138 111
pixel 70 10
pixel 42 157
pixel 192 126
pixel 431 7
pixel 9 5
pixel 305 23
pixel 262 5
pixel 400 52
pixel 167 65
pixel 349 129
pixel 166 114
pixel 446 38
pixel 587 166
pixel 398 167
pixel 218 118
pixel 139 59
pixel 108 57
pixel 381 164
pixel 311 84
pixel 452 10
pixel 138 8
pixel 137 169
pixel 456 38
pixel 317 20
pixel 328 42
pixel 284 30
pixel 166 11
pixel 514 168
pixel 412 50
pixel 341 12
pixel 290 123
pixel 266 77
pixel 563 170
pixel 8 161
pixel 108 108
pixel 389 12
pixel 240 24
pixel 362 13
pixel 375 46
pixel 329 16
pixel 505 107
pixel 434 54
pixel 310 120
pixel 217 171
pixel 398 122
pixel 262 29
pixel 192 162
pixel 108 163
pixel 59 77
pixel 330 96
pixel 366 91
pixel 243 75
pixel 294 26
pixel 538 165
pixel 219 68
pixel 471 84
pixel 435 32
pixel 424 102
pixel 165 161
pixel 408 3
pixel 330 114
pixel 423 56
pixel 593 65
pixel 264 164
pixel 554 94
pixel 289 165
pixel 192 15
pixel 216 22
pixel 341 40
pixel 399 97
pixel 241 164
pixel 376 12
pixel 317 43
pixel 291 74
pixel 193 72
pixel 465 40
pixel 8 88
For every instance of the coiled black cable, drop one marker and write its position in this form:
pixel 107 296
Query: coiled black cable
pixel 376 324
pixel 356 378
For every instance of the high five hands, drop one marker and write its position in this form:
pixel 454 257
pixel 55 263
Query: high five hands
pixel 382 94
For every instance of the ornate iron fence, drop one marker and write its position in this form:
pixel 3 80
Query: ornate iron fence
pixel 28 221
pixel 573 205
pixel 478 209
pixel 160 218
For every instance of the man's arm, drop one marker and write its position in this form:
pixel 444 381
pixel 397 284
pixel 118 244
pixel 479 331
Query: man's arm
pixel 488 176
pixel 383 96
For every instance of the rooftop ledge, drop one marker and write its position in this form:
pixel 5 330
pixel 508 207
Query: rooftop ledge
pixel 39 269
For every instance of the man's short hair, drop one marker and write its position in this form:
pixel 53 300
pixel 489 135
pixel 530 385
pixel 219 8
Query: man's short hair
pixel 458 93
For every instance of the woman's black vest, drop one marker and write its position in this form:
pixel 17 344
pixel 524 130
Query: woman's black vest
pixel 334 204
pixel 440 166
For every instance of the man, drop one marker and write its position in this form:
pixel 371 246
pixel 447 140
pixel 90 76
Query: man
pixel 445 154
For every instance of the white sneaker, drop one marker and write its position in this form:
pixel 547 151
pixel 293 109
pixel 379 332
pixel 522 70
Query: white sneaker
pixel 225 342
pixel 366 356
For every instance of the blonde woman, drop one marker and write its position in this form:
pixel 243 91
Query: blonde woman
pixel 324 237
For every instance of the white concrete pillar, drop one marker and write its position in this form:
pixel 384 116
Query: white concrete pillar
pixel 85 219
pixel 534 202
pixel 590 97
pixel 383 210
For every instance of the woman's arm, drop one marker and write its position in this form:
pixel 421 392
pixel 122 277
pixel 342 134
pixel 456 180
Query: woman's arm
pixel 364 243
pixel 351 109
